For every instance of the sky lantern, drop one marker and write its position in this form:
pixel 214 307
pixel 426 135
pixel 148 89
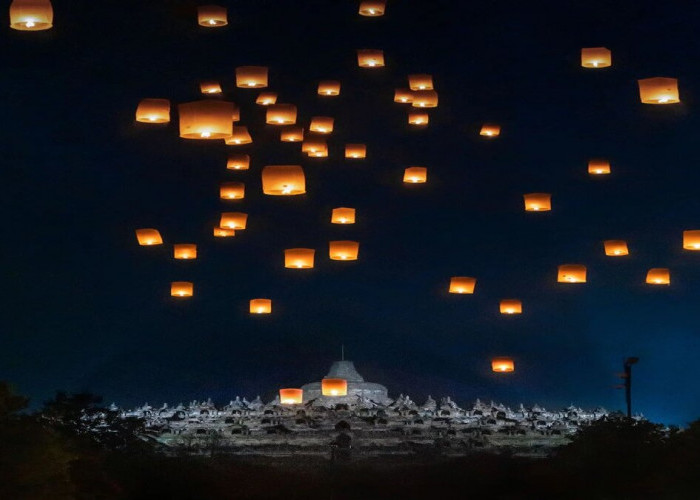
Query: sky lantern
pixel 372 8
pixel 314 145
pixel 292 134
pixel 502 365
pixel 538 202
pixel 425 99
pixel 490 130
pixel 31 15
pixel 266 98
pixel 291 396
pixel 511 306
pixel 148 237
pixel 281 114
pixel 462 284
pixel 212 16
pixel 222 232
pixel 659 276
pixel 691 239
pixel 658 90
pixel 329 88
pixel 370 58
pixel 598 167
pixel 185 251
pixel 153 111
pixel 206 119
pixel 418 118
pixel 233 220
pixel 283 180
pixel 334 387
pixel 571 273
pixel 319 153
pixel 251 77
pixel 238 162
pixel 615 248
pixel 181 289
pixel 321 124
pixel 415 175
pixel 355 151
pixel 210 88
pixel 260 306
pixel 403 96
pixel 299 258
pixel 239 136
pixel 343 215
pixel 596 57
pixel 232 191
pixel 420 82
pixel 343 250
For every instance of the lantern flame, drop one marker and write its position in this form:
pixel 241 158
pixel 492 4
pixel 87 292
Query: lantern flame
pixel 30 23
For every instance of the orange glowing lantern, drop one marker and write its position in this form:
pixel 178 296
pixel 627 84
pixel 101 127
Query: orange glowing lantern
pixel 511 306
pixel 420 82
pixel 314 145
pixel 321 153
pixel 238 162
pixel 490 130
pixel 31 15
pixel 185 251
pixel 372 8
pixel 538 202
pixel 598 167
pixel 659 276
pixel 691 239
pixel 321 124
pixel 370 58
pixel 418 118
pixel 403 96
pixel 571 273
pixel 222 232
pixel 212 16
pixel 260 306
pixel 251 77
pixel 283 180
pixel 343 216
pixel 355 151
pixel 329 88
pixel 343 250
pixel 232 191
pixel 233 220
pixel 596 57
pixel 502 365
pixel 181 289
pixel 334 387
pixel 462 284
pixel 148 237
pixel 659 90
pixel 266 98
pixel 299 258
pixel 210 88
pixel 425 99
pixel 206 119
pixel 415 175
pixel 616 248
pixel 291 396
pixel 153 111
pixel 292 134
pixel 239 136
pixel 281 114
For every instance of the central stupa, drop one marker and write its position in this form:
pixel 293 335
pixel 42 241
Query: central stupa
pixel 357 387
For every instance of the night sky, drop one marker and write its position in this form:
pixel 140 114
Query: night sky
pixel 86 308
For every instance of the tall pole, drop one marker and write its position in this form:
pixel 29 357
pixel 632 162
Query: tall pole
pixel 628 383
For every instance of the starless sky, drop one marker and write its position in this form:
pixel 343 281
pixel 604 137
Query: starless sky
pixel 84 307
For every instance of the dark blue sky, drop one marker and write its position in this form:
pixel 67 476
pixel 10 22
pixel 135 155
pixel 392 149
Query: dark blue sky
pixel 84 307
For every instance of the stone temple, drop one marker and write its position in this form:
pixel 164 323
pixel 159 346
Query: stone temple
pixel 357 387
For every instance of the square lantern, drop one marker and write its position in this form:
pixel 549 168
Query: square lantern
pixel 462 285
pixel 596 57
pixel 153 111
pixel 370 58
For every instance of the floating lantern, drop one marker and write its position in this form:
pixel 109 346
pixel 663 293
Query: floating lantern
pixel 185 251
pixel 355 151
pixel 233 220
pixel 415 175
pixel 321 153
pixel 404 96
pixel 238 162
pixel 659 276
pixel 210 88
pixel 571 273
pixel 291 396
pixel 596 57
pixel 418 118
pixel 281 114
pixel 511 306
pixel 369 58
pixel 153 111
pixel 343 216
pixel 299 258
pixel 31 15
pixel 502 365
pixel 462 284
pixel 329 88
pixel 260 306
pixel 222 232
pixel 283 180
pixel 615 248
pixel 538 202
pixel 266 98
pixel 425 99
pixel 148 237
pixel 691 239
pixel 490 130
pixel 232 191
pixel 212 16
pixel 343 250
pixel 239 136
pixel 206 119
pixel 292 134
pixel 334 387
pixel 181 289
pixel 420 82
pixel 321 124
pixel 659 90
pixel 314 145
pixel 372 8
pixel 598 167
pixel 251 77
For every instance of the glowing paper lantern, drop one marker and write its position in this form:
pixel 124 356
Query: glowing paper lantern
pixel 210 88
pixel 153 111
pixel 233 220
pixel 321 124
pixel 291 396
pixel 343 216
pixel 370 58
pixel 659 276
pixel 511 306
pixel 321 153
pixel 334 387
pixel 538 202
pixel 596 57
pixel 232 191
pixel 239 136
pixel 260 306
pixel 420 82
pixel 222 232
pixel 206 119
pixel 502 365
pixel 266 98
pixel 238 162
pixel 181 289
pixel 355 151
pixel 314 145
pixel 281 114
pixel 372 8
pixel 615 248
pixel 659 90
pixel 462 284
pixel 31 15
pixel 329 88
pixel 490 130
pixel 691 239
pixel 343 250
pixel 283 180
pixel 185 251
pixel 425 99
pixel 148 237
pixel 415 175
pixel 598 167
pixel 418 118
pixel 212 16
pixel 292 134
pixel 251 77
pixel 571 273
pixel 299 258
pixel 404 96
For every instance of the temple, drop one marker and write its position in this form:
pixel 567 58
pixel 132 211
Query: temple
pixel 357 387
